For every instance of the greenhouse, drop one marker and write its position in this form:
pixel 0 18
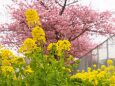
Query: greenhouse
pixel 99 55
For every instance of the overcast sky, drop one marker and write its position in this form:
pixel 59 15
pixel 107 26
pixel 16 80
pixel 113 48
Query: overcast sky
pixel 4 16
pixel 101 5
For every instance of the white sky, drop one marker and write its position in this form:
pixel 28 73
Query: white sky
pixel 100 4
pixel 4 16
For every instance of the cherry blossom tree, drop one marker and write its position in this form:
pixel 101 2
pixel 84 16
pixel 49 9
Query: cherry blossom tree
pixel 68 20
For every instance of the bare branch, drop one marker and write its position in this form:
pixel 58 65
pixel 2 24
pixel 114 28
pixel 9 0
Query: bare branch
pixel 101 32
pixel 58 3
pixel 72 2
pixel 44 5
pixel 71 39
pixel 63 7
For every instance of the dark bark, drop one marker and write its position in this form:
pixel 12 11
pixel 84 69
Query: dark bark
pixel 63 7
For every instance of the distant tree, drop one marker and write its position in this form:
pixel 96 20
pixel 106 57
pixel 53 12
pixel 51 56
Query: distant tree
pixel 60 21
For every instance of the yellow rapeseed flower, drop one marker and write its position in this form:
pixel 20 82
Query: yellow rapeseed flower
pixel 109 62
pixel 105 74
pixel 28 45
pixel 20 60
pixel 13 60
pixel 89 69
pixel 103 67
pixel 6 62
pixel 111 68
pixel 94 65
pixel 6 54
pixel 67 70
pixel 83 71
pixel 38 34
pixel 28 70
pixel 101 74
pixel 14 78
pixel 60 46
pixel 7 69
pixel 70 58
pixel 32 18
pixel 51 46
pixel 112 79
pixel 64 45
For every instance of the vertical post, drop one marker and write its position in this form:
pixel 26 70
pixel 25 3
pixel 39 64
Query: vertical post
pixel 98 57
pixel 107 45
pixel 91 64
pixel 85 68
pixel 86 61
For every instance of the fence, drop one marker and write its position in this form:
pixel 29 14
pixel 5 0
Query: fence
pixel 99 55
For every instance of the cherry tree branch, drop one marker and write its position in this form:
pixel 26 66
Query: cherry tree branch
pixel 71 39
pixel 58 3
pixel 44 5
pixel 72 2
pixel 63 7
pixel 101 32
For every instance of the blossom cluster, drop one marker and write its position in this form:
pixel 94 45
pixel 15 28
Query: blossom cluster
pixel 11 63
pixel 28 45
pixel 98 77
pixel 38 34
pixel 60 46
pixel 6 61
pixel 32 17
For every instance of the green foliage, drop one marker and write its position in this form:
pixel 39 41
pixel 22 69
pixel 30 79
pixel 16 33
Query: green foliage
pixel 48 71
